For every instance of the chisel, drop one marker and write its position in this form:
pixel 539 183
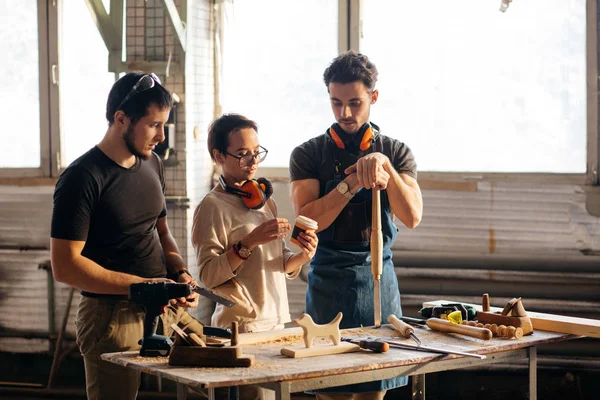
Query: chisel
pixel 406 346
pixel 376 254
pixel 404 329
pixel 376 346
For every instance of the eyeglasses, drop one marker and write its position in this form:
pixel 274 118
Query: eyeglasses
pixel 146 82
pixel 248 159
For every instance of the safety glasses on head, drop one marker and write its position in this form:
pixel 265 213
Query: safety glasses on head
pixel 248 159
pixel 146 82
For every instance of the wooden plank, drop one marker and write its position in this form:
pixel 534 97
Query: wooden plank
pixel 319 350
pixel 270 336
pixel 547 322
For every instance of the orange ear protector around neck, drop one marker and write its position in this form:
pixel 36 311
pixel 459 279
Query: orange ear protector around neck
pixel 365 132
pixel 254 192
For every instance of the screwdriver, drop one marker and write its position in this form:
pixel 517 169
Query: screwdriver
pixel 404 329
pixel 373 345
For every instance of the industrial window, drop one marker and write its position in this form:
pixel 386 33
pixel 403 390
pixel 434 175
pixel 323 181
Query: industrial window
pixel 273 58
pixel 84 82
pixel 20 100
pixel 470 88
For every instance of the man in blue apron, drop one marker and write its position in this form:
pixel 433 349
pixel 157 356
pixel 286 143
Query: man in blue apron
pixel 332 178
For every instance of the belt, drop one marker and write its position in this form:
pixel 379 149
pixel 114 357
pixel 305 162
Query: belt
pixel 105 296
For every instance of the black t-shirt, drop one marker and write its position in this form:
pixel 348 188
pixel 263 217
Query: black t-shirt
pixel 314 159
pixel 114 210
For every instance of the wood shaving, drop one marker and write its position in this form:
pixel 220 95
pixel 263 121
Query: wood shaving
pixel 151 360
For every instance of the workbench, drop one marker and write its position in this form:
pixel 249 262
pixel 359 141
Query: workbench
pixel 288 375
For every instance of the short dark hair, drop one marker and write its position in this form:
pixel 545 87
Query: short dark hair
pixel 136 107
pixel 220 128
pixel 350 67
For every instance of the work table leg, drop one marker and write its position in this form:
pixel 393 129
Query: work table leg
pixel 182 391
pixel 281 389
pixel 533 373
pixel 418 387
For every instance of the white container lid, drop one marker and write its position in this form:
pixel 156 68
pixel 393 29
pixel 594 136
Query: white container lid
pixel 309 223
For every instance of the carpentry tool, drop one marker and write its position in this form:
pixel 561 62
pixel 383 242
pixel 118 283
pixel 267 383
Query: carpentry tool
pixel 513 315
pixel 218 332
pixel 550 322
pixel 376 346
pixel 467 312
pixel 442 325
pixel 414 321
pixel 404 329
pixel 376 254
pixel 198 355
pixel 154 296
pixel 214 297
pixel 406 346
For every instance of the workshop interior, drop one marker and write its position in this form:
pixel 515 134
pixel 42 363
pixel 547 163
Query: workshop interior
pixel 498 100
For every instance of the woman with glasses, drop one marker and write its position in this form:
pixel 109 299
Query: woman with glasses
pixel 240 250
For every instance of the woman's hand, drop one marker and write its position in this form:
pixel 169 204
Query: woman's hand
pixel 308 242
pixel 266 232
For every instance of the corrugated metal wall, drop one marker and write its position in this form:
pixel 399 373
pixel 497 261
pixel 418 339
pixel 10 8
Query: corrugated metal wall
pixel 541 233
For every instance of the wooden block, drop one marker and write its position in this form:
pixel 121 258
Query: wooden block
pixel 211 340
pixel 319 350
pixel 181 335
pixel 197 356
pixel 197 341
pixel 499 319
pixel 268 336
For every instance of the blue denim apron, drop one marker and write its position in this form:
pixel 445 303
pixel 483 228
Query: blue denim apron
pixel 340 276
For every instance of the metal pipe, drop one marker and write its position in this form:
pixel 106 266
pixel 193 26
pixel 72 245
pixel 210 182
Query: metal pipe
pixel 32 334
pixel 58 346
pixel 518 262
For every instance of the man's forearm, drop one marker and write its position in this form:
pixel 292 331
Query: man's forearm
pixel 405 201
pixel 173 259
pixel 325 209
pixel 83 273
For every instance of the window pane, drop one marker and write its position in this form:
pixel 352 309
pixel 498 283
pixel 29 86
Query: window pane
pixel 469 88
pixel 20 100
pixel 275 53
pixel 84 82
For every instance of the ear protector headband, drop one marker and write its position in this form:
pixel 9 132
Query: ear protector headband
pixel 366 133
pixel 254 192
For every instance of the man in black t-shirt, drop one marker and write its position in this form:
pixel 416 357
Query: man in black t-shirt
pixel 109 230
pixel 332 180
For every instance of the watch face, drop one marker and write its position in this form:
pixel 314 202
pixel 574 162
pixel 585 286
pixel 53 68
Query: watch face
pixel 244 252
pixel 343 187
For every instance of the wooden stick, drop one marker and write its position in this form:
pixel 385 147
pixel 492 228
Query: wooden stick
pixel 376 253
pixel 234 333
pixel 442 325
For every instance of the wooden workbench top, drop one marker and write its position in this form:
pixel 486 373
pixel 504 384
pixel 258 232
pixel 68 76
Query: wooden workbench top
pixel 271 366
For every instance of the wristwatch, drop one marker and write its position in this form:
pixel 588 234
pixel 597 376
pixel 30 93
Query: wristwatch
pixel 344 189
pixel 244 252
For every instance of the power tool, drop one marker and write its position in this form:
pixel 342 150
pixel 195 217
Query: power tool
pixel 468 312
pixel 154 296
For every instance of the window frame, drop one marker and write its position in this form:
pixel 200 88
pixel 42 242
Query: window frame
pixel 47 18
